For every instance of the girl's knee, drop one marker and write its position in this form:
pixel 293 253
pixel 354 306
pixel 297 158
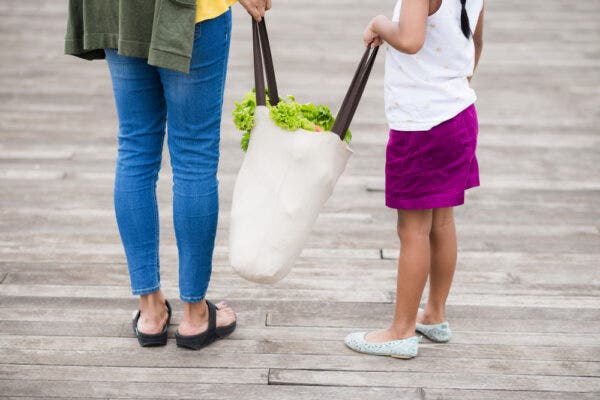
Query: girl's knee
pixel 414 224
pixel 442 218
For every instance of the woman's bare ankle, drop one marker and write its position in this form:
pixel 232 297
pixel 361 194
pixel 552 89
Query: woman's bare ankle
pixel 153 303
pixel 195 317
pixel 154 312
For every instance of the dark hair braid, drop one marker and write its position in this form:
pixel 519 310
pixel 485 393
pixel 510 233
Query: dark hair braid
pixel 464 20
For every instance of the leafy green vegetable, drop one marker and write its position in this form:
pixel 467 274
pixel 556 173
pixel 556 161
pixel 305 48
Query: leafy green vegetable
pixel 243 114
pixel 287 114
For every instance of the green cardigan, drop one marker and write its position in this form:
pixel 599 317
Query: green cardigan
pixel 160 30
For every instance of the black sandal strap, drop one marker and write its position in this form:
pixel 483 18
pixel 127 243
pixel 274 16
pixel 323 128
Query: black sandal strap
pixel 169 311
pixel 212 318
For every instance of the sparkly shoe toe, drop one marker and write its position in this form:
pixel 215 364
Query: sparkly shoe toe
pixel 402 348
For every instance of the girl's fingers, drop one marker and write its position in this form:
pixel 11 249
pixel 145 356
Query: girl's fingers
pixel 368 39
pixel 268 5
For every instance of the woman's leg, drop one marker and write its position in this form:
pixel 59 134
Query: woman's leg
pixel 414 227
pixel 142 114
pixel 443 264
pixel 194 103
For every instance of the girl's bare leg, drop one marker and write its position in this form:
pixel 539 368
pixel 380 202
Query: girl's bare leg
pixel 414 227
pixel 443 264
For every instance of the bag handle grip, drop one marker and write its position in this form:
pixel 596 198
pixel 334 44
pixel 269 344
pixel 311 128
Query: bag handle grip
pixel 263 65
pixel 354 93
pixel 262 53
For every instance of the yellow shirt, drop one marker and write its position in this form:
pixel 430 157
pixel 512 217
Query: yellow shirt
pixel 208 9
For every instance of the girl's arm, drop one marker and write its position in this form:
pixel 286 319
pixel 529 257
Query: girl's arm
pixel 478 39
pixel 407 35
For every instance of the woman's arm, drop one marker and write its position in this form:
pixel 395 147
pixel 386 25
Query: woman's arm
pixel 407 35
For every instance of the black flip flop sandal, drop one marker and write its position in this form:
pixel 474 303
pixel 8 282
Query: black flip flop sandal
pixel 152 339
pixel 213 333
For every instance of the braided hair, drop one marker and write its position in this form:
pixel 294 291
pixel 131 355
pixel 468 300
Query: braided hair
pixel 464 20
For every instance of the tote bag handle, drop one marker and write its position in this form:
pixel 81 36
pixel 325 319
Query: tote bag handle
pixel 354 93
pixel 262 52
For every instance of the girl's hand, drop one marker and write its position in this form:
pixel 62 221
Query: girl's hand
pixel 371 35
pixel 256 8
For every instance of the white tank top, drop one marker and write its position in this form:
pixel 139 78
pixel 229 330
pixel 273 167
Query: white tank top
pixel 430 87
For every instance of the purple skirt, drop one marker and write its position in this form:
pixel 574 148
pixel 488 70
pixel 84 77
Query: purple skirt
pixel 432 169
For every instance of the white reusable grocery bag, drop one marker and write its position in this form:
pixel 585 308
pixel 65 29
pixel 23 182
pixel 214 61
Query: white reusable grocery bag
pixel 285 179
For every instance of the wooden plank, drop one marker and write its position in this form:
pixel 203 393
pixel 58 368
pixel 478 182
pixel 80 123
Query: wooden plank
pixel 586 355
pixel 271 293
pixel 320 277
pixel 374 295
pixel 487 338
pixel 442 380
pixel 306 311
pixel 133 374
pixel 504 394
pixel 235 351
pixel 248 318
pixel 67 328
pixel 168 390
pixel 457 324
pixel 490 353
pixel 473 266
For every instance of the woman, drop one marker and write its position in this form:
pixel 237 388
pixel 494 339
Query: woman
pixel 168 61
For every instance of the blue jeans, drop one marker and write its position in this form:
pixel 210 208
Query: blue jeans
pixel 148 100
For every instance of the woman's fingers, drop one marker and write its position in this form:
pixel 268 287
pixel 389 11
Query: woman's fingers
pixel 255 13
pixel 256 8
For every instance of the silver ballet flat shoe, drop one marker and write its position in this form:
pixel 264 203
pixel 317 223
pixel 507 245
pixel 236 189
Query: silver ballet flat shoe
pixel 435 332
pixel 402 348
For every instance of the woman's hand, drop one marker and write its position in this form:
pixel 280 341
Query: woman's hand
pixel 256 8
pixel 370 35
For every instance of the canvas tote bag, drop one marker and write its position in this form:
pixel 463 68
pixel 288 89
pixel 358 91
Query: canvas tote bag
pixel 286 176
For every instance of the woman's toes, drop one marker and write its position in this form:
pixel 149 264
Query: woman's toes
pixel 225 317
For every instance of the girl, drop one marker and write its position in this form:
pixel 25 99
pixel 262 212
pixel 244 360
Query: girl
pixel 430 156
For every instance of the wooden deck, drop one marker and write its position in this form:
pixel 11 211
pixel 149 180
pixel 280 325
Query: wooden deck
pixel 524 307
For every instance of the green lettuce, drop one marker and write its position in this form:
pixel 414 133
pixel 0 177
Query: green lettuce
pixel 287 114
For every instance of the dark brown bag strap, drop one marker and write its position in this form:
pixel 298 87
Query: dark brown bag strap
pixel 262 52
pixel 340 117
pixel 354 93
pixel 259 78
